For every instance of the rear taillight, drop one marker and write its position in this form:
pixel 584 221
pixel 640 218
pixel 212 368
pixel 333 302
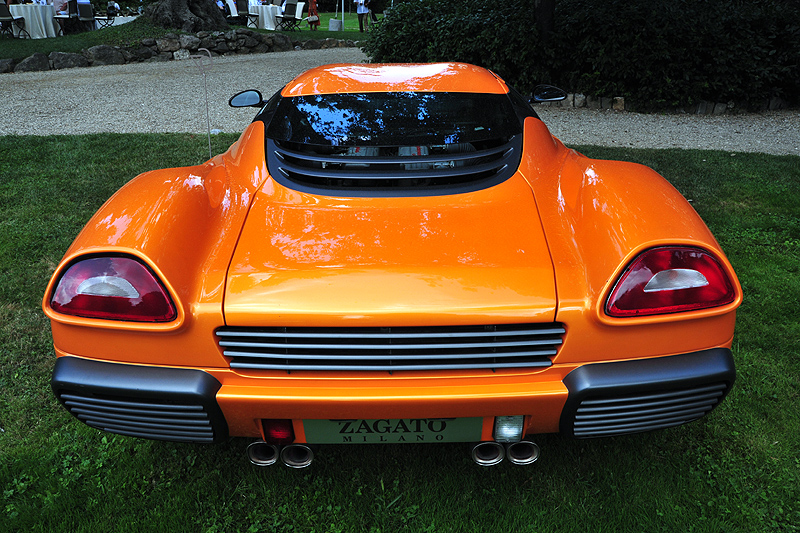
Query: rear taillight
pixel 670 280
pixel 113 288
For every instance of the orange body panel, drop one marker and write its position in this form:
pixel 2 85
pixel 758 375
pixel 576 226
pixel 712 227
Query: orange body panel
pixel 236 248
pixel 440 77
pixel 391 261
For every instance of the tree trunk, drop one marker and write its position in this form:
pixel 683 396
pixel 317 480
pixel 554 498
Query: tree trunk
pixel 190 16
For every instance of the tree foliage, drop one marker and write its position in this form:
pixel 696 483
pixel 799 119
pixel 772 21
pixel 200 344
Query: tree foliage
pixel 656 53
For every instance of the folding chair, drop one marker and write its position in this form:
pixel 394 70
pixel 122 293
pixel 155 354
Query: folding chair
pixel 288 21
pixel 63 20
pixel 86 16
pixel 249 18
pixel 107 20
pixel 8 21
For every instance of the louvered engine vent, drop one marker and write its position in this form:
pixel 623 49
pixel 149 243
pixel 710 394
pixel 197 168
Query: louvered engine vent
pixel 392 349
pixel 394 170
pixel 140 417
pixel 604 417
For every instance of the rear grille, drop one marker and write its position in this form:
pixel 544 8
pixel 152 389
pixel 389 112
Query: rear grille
pixel 448 169
pixel 645 412
pixel 392 349
pixel 137 417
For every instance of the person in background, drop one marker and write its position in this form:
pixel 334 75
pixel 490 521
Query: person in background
pixel 313 15
pixel 362 11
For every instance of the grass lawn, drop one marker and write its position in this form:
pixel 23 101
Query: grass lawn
pixel 134 32
pixel 735 470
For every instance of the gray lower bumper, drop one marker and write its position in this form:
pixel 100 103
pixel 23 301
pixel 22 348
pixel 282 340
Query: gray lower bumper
pixel 607 399
pixel 151 402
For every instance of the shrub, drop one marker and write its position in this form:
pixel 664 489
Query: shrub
pixel 500 36
pixel 657 53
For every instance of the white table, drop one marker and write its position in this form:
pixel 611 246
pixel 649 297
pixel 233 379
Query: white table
pixel 266 16
pixel 39 21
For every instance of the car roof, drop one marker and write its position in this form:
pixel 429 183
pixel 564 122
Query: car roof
pixel 427 77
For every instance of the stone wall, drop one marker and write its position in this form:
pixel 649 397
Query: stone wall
pixel 171 47
pixel 700 108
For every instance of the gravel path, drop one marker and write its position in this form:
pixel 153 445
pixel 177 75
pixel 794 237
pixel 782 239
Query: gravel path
pixel 169 97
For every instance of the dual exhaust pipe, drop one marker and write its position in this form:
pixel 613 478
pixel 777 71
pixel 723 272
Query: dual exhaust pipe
pixel 293 455
pixel 484 454
pixel 492 453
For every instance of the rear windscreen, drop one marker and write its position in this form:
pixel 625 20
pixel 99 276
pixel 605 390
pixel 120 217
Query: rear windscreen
pixel 399 118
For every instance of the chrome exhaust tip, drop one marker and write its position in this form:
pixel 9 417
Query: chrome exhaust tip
pixel 262 454
pixel 522 452
pixel 488 453
pixel 297 455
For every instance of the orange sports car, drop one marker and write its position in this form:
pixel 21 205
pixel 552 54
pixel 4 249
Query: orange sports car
pixel 393 254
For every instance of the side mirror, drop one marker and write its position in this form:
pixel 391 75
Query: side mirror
pixel 251 98
pixel 548 93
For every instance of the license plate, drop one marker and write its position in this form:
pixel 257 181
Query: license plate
pixel 408 430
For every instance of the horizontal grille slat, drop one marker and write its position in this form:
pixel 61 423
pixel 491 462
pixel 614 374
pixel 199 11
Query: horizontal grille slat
pixel 392 349
pixel 451 170
pixel 180 428
pixel 378 347
pixel 655 397
pixel 393 368
pixel 159 435
pixel 131 404
pixel 496 152
pixel 640 413
pixel 370 357
pixel 121 411
pixel 599 417
pixel 462 173
pixel 139 417
pixel 249 332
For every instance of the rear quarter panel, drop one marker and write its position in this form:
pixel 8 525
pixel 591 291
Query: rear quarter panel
pixel 184 223
pixel 597 216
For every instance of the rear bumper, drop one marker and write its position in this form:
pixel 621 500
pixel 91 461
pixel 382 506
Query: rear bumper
pixel 607 399
pixel 151 402
pixel 593 400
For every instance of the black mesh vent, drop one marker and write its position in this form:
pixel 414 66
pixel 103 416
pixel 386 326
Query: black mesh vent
pixel 604 417
pixel 138 417
pixel 393 170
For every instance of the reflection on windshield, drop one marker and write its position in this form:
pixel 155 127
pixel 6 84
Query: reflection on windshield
pixel 384 119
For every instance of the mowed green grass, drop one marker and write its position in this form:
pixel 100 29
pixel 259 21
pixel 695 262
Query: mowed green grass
pixel 735 470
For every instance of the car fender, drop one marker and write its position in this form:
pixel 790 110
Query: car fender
pixel 184 224
pixel 597 216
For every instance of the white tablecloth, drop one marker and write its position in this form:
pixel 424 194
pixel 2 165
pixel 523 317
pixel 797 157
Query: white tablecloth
pixel 266 16
pixel 39 21
pixel 122 20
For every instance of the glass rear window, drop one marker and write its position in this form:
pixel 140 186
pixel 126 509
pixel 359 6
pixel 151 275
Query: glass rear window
pixel 399 118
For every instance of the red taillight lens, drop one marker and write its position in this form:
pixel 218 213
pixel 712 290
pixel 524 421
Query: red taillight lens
pixel 670 280
pixel 114 288
pixel 278 431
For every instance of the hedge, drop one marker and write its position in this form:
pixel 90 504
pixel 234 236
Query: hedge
pixel 655 53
